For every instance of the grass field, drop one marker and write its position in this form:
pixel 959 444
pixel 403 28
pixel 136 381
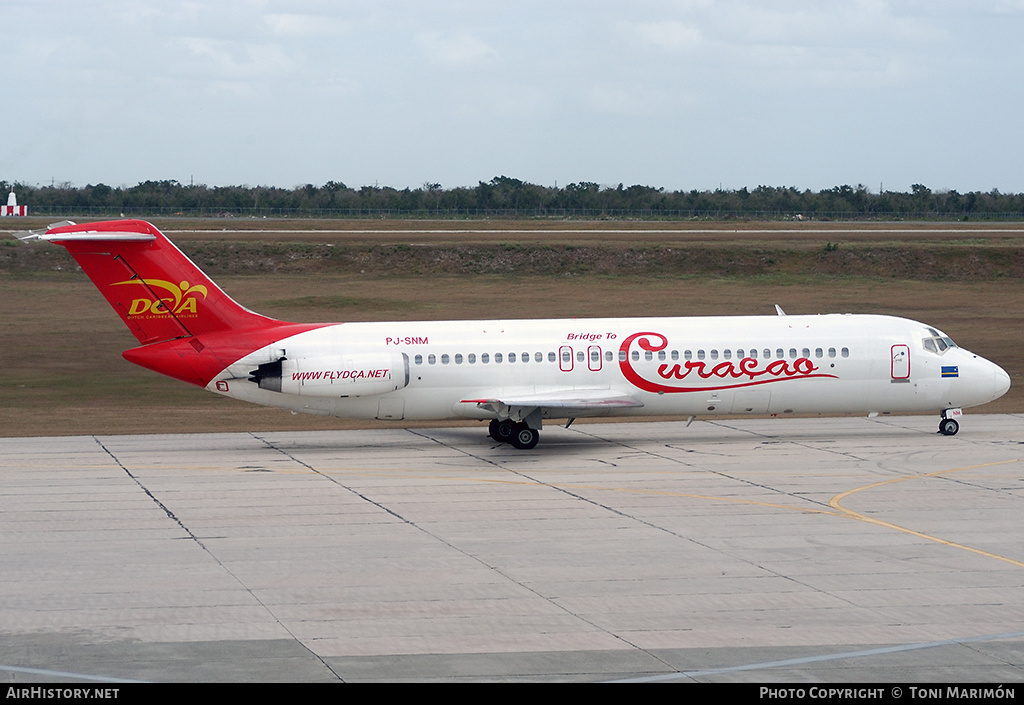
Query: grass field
pixel 61 343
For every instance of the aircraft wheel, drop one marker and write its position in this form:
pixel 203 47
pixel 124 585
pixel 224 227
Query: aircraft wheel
pixel 502 431
pixel 948 427
pixel 525 437
pixel 492 430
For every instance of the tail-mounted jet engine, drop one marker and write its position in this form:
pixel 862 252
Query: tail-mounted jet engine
pixel 334 375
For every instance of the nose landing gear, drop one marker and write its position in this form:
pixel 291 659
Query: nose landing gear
pixel 948 425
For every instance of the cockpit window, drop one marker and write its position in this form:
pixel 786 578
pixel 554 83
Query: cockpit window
pixel 936 342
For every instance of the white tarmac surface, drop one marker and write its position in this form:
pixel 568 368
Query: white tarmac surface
pixel 813 550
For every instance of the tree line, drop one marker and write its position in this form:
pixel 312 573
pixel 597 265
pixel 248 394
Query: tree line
pixel 503 196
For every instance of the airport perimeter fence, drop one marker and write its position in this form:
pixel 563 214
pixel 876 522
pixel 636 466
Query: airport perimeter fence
pixel 506 213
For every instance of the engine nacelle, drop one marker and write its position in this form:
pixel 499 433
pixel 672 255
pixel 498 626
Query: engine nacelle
pixel 357 375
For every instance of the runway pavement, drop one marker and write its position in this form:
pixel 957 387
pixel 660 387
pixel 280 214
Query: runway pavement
pixel 846 549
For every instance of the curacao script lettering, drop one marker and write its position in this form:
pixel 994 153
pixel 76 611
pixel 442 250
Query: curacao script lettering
pixel 747 367
pixel 746 372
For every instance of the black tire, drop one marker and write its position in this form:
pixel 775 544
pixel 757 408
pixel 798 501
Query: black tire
pixel 525 437
pixel 948 427
pixel 504 430
pixel 492 430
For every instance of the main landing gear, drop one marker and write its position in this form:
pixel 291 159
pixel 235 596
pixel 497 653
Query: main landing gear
pixel 519 434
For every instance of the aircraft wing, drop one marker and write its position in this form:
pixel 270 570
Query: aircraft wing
pixel 582 400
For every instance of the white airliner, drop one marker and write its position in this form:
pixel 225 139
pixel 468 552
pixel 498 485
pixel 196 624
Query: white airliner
pixel 519 373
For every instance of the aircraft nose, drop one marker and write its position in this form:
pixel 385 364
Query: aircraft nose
pixel 1002 382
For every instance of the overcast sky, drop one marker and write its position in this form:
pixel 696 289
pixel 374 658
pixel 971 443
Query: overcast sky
pixel 684 94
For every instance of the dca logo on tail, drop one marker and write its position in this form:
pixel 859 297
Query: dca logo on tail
pixel 182 301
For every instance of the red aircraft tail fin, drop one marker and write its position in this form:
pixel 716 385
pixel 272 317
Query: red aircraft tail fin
pixel 158 292
pixel 188 328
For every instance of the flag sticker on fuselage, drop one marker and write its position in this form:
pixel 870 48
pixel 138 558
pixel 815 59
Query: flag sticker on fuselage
pixel 950 371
